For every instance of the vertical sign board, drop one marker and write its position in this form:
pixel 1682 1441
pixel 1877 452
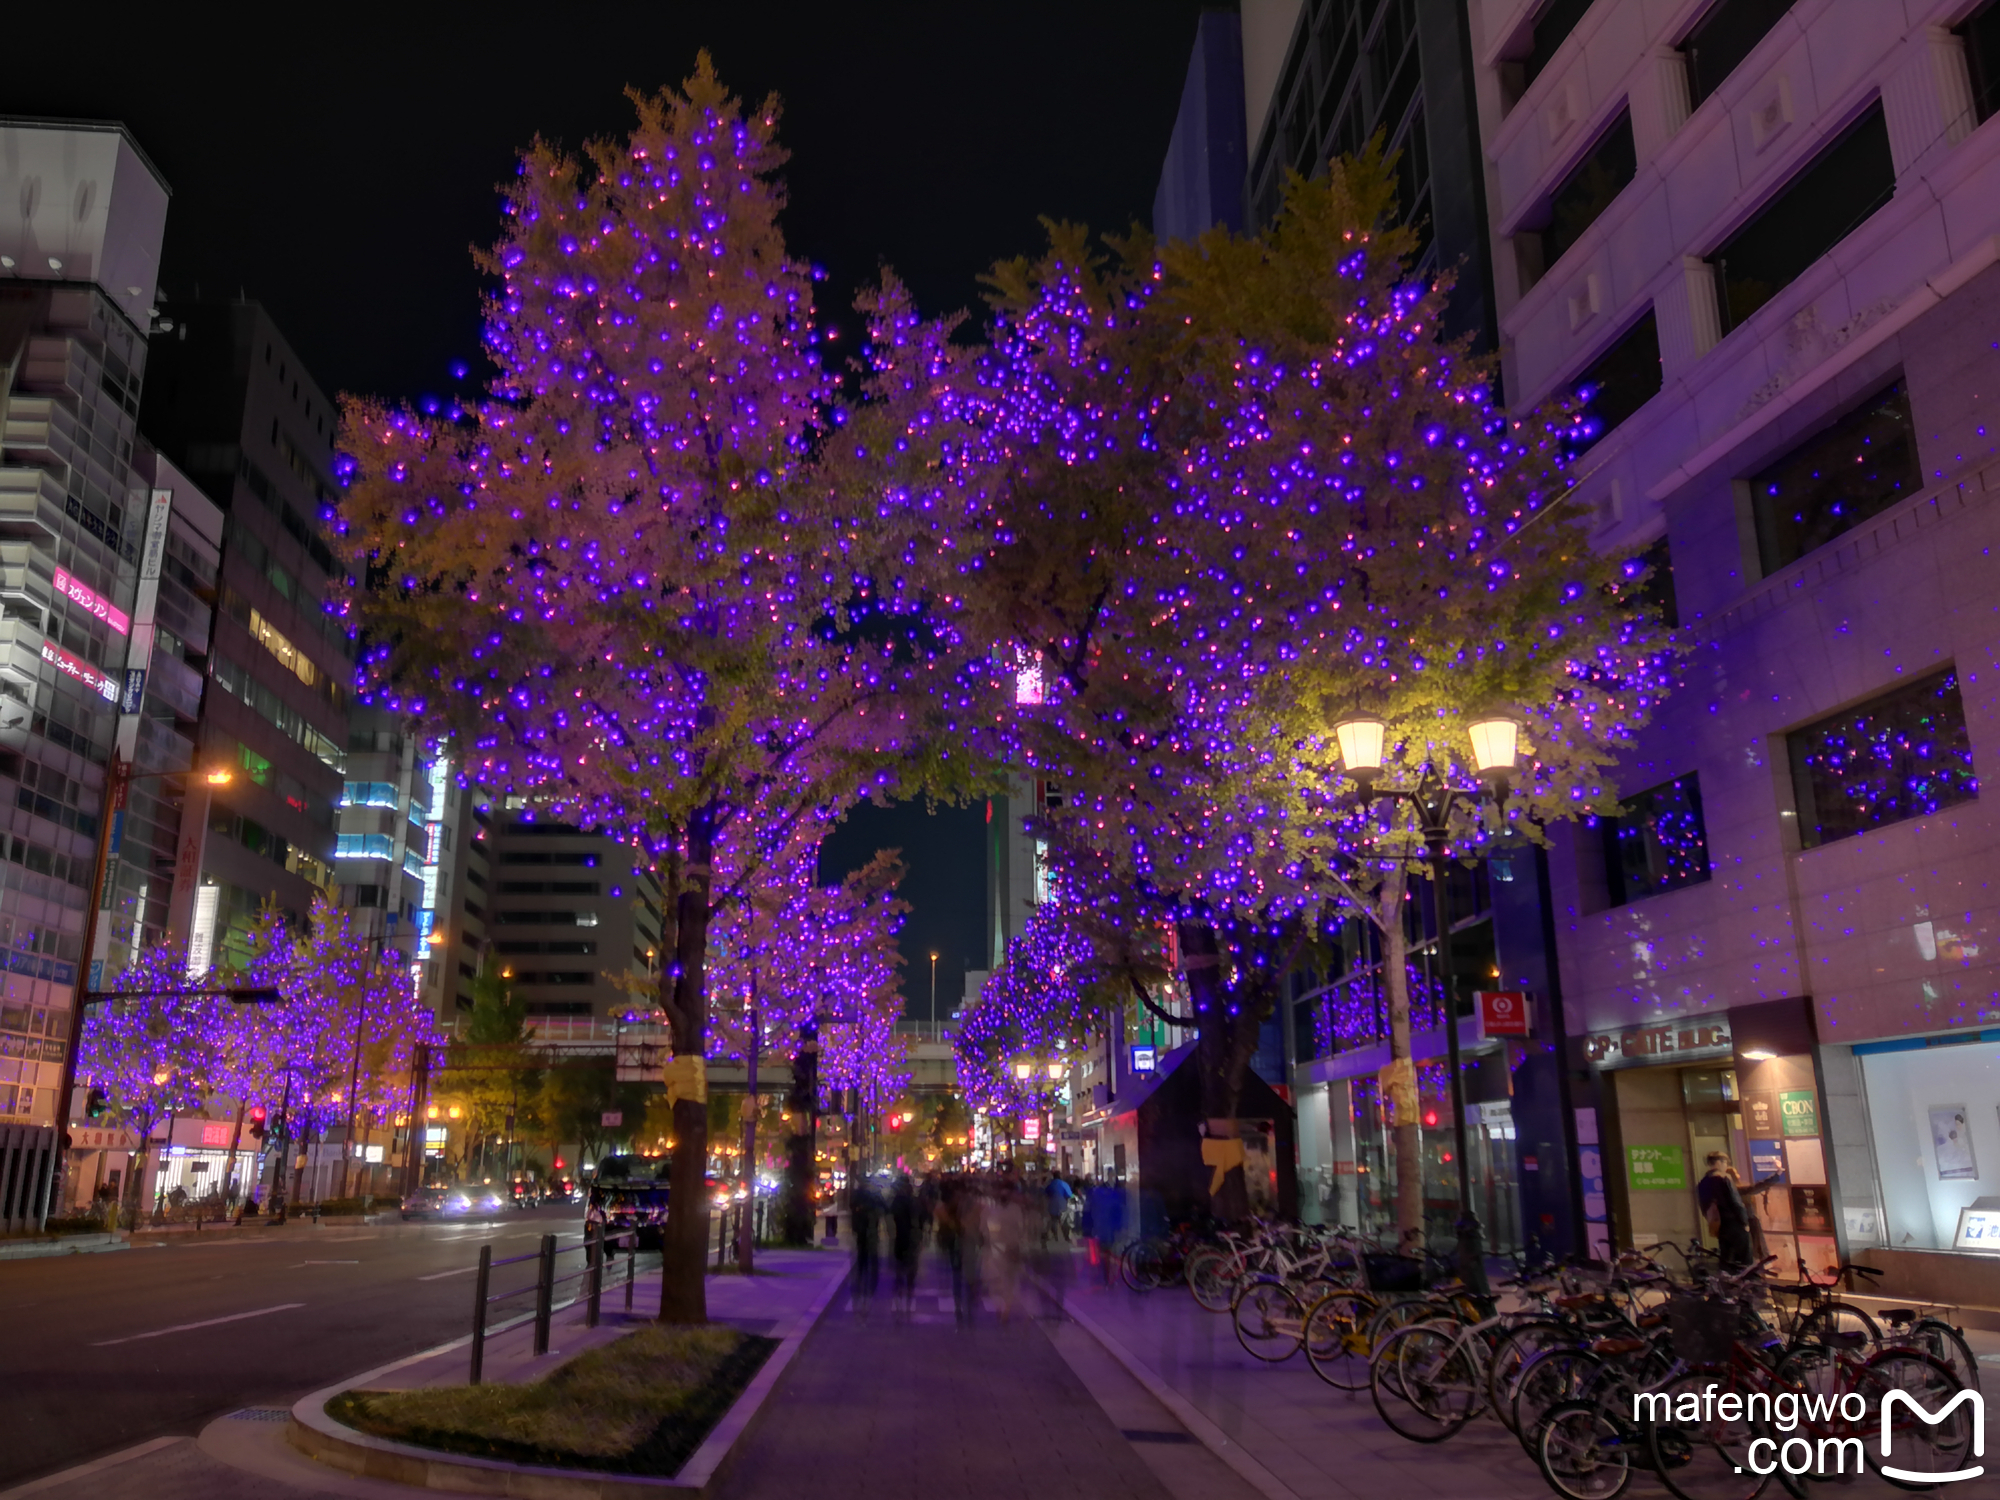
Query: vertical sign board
pixel 1504 1012
pixel 201 939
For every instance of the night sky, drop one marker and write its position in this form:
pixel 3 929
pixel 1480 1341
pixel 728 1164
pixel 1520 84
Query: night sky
pixel 337 164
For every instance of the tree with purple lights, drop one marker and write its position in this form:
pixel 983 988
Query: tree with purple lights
pixel 660 584
pixel 1043 1002
pixel 1253 492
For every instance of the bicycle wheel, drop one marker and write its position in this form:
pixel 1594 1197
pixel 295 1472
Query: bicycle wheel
pixel 1135 1266
pixel 1919 1448
pixel 1425 1383
pixel 1336 1339
pixel 1546 1381
pixel 1583 1453
pixel 1704 1457
pixel 1212 1277
pixel 1510 1355
pixel 1270 1323
pixel 1837 1317
pixel 1944 1343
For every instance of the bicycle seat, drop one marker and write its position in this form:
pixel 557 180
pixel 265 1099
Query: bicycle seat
pixel 1578 1301
pixel 1625 1345
pixel 1900 1314
pixel 1652 1320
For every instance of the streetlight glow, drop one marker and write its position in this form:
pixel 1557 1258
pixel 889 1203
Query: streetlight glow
pixel 1361 745
pixel 1493 744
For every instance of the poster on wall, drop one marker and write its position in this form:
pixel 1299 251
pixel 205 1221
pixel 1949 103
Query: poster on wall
pixel 1760 1112
pixel 1767 1160
pixel 1656 1167
pixel 1774 1210
pixel 1799 1109
pixel 1786 1249
pixel 1951 1139
pixel 1805 1161
pixel 1812 1209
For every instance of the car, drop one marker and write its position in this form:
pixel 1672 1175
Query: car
pixel 424 1203
pixel 473 1198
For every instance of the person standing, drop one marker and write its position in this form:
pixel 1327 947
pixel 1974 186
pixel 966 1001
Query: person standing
pixel 865 1210
pixel 904 1226
pixel 1722 1208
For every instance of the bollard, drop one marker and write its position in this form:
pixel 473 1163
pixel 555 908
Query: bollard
pixel 631 1268
pixel 721 1222
pixel 833 1228
pixel 545 1292
pixel 593 1254
pixel 479 1311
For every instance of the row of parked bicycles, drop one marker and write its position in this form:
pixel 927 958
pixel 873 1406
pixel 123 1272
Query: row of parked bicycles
pixel 1715 1381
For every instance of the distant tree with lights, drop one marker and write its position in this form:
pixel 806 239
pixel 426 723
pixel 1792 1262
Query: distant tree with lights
pixel 1254 491
pixel 654 583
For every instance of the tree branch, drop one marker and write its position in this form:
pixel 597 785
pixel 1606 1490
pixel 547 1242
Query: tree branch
pixel 1147 1000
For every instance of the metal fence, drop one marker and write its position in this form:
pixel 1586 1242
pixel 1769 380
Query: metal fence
pixel 27 1168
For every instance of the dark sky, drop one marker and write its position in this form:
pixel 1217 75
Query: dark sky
pixel 335 163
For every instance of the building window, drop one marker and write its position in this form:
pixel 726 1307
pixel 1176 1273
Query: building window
pixel 1981 35
pixel 1588 190
pixel 1844 474
pixel 1900 756
pixel 1659 843
pixel 1658 590
pixel 1552 27
pixel 1625 377
pixel 1722 38
pixel 1853 175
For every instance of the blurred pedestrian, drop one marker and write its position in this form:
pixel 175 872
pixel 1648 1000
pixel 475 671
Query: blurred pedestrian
pixel 865 1212
pixel 905 1236
pixel 1058 1196
pixel 1107 1225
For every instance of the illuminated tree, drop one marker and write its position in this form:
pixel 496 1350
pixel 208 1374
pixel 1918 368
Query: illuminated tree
pixel 1253 492
pixel 624 581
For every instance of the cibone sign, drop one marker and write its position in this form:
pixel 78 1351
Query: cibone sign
pixel 1836 1424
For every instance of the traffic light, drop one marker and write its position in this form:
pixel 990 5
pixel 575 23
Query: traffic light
pixel 95 1104
pixel 257 1122
pixel 1430 1119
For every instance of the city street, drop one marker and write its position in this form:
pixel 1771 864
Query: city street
pixel 112 1349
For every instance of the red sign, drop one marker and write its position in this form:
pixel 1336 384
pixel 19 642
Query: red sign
pixel 1503 1012
pixel 81 593
pixel 216 1132
pixel 1031 1128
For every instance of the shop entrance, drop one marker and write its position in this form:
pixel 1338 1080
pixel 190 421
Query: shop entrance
pixel 1667 1122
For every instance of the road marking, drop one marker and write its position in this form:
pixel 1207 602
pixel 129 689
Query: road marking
pixel 440 1275
pixel 323 1263
pixel 50 1481
pixel 205 1323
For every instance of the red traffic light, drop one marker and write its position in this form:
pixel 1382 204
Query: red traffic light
pixel 559 1163
pixel 1430 1119
pixel 257 1114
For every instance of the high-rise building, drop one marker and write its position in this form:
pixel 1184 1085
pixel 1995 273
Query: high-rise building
pixel 1344 72
pixel 573 919
pixel 1760 240
pixel 82 213
pixel 231 406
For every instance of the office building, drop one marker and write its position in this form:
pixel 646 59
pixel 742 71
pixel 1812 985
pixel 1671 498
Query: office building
pixel 1761 239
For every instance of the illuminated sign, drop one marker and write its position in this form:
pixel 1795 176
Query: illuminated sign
pixel 78 592
pixel 1504 1012
pixel 1144 1059
pixel 201 939
pixel 1663 1043
pixel 80 670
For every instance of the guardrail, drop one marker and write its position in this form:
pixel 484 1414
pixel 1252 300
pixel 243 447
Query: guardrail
pixel 595 1249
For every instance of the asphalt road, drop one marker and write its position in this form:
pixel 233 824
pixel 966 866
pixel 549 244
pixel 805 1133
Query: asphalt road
pixel 99 1352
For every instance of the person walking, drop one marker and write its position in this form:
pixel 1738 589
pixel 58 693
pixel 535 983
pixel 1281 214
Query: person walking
pixel 865 1209
pixel 904 1231
pixel 1058 1195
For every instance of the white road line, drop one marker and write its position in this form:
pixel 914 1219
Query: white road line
pixel 205 1323
pixel 440 1275
pixel 50 1481
pixel 323 1263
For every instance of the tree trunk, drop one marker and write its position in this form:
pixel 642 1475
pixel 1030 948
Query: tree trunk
pixel 235 1140
pixel 1220 1076
pixel 801 1144
pixel 1407 1141
pixel 684 1247
pixel 746 1221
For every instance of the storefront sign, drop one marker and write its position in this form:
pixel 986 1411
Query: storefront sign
pixel 78 592
pixel 1667 1042
pixel 1504 1012
pixel 1143 1059
pixel 90 1138
pixel 1799 1109
pixel 73 666
pixel 1657 1167
pixel 216 1132
pixel 1031 1128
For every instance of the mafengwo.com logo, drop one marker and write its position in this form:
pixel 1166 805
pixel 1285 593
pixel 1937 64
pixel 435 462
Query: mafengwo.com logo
pixel 1822 1434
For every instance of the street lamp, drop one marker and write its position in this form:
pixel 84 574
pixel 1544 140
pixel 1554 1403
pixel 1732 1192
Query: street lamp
pixel 934 959
pixel 1495 741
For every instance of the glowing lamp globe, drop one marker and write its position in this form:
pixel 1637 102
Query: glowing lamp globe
pixel 1361 738
pixel 1493 744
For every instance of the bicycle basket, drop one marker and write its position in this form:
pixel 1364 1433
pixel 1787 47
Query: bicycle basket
pixel 1388 1272
pixel 1703 1329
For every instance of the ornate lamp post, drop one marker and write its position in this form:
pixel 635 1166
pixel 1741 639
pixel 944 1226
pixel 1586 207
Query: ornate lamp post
pixel 1494 746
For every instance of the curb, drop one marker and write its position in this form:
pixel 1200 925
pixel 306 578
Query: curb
pixel 71 1244
pixel 319 1437
pixel 1185 1412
